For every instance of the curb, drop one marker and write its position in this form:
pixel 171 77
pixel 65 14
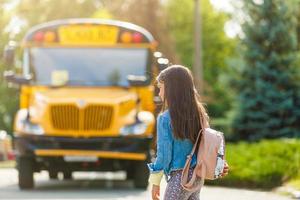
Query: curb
pixel 290 191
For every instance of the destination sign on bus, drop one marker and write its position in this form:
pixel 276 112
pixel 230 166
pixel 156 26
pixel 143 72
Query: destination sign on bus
pixel 88 34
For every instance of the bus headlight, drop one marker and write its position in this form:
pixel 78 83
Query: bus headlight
pixel 30 128
pixel 146 117
pixel 134 129
pixel 34 129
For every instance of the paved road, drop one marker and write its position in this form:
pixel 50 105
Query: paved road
pixel 92 186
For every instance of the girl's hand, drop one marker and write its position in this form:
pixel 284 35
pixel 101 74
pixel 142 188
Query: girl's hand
pixel 225 170
pixel 155 192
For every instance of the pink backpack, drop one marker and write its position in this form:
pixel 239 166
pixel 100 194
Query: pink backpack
pixel 210 159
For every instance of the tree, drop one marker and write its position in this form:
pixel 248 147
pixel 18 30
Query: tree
pixel 216 48
pixel 9 96
pixel 148 14
pixel 269 94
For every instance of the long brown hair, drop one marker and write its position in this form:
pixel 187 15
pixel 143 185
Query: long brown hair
pixel 183 102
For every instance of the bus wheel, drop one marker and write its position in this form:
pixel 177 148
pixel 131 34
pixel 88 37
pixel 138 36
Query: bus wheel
pixel 130 173
pixel 141 175
pixel 53 174
pixel 67 175
pixel 25 168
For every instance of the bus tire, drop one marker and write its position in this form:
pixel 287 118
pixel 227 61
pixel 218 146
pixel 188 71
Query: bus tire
pixel 130 173
pixel 67 175
pixel 53 174
pixel 26 170
pixel 141 175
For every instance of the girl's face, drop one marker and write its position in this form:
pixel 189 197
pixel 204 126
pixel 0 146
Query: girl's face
pixel 161 93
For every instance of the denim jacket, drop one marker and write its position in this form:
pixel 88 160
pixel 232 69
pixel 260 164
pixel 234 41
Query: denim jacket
pixel 171 152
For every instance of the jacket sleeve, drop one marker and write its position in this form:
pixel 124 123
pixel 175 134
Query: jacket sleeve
pixel 155 178
pixel 164 146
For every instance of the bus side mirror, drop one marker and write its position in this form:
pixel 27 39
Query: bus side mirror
pixel 163 63
pixel 9 54
pixel 11 77
pixel 135 80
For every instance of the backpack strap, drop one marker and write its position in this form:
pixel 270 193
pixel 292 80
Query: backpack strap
pixel 189 185
pixel 198 137
pixel 196 143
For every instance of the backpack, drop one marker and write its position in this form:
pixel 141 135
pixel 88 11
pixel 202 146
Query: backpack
pixel 210 159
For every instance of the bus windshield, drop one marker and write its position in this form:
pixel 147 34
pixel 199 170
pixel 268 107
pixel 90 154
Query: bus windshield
pixel 89 66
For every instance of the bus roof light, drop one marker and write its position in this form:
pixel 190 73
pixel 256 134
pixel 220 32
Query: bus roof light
pixel 126 37
pixel 38 36
pixel 157 54
pixel 137 37
pixel 49 36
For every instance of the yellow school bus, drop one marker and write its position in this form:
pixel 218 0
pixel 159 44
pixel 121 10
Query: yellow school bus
pixel 86 99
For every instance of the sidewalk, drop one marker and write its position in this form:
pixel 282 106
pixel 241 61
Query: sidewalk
pixel 223 193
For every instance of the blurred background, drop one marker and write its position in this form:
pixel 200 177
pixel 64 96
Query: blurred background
pixel 249 56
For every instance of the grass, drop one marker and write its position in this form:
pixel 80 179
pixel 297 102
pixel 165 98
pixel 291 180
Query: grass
pixel 294 183
pixel 266 164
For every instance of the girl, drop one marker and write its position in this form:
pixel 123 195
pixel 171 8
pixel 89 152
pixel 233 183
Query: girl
pixel 177 128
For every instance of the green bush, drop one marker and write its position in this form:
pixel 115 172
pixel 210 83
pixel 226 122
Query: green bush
pixel 265 164
pixel 223 125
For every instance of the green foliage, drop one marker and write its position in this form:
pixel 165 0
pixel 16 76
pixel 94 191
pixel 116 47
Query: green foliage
pixel 269 93
pixel 265 164
pixel 216 48
pixel 224 124
pixel 9 96
pixel 148 14
pixel 35 12
pixel 8 107
pixel 294 183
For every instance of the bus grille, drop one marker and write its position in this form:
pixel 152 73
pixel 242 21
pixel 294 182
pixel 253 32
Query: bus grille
pixel 70 117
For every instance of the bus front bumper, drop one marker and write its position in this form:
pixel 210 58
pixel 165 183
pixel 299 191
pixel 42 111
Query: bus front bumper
pixel 121 148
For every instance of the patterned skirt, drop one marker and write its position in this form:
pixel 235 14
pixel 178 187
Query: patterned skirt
pixel 174 190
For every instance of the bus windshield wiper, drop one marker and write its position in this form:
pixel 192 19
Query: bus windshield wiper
pixel 88 83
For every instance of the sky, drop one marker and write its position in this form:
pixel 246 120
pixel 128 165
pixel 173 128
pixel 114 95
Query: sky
pixel 232 27
pixel 224 5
